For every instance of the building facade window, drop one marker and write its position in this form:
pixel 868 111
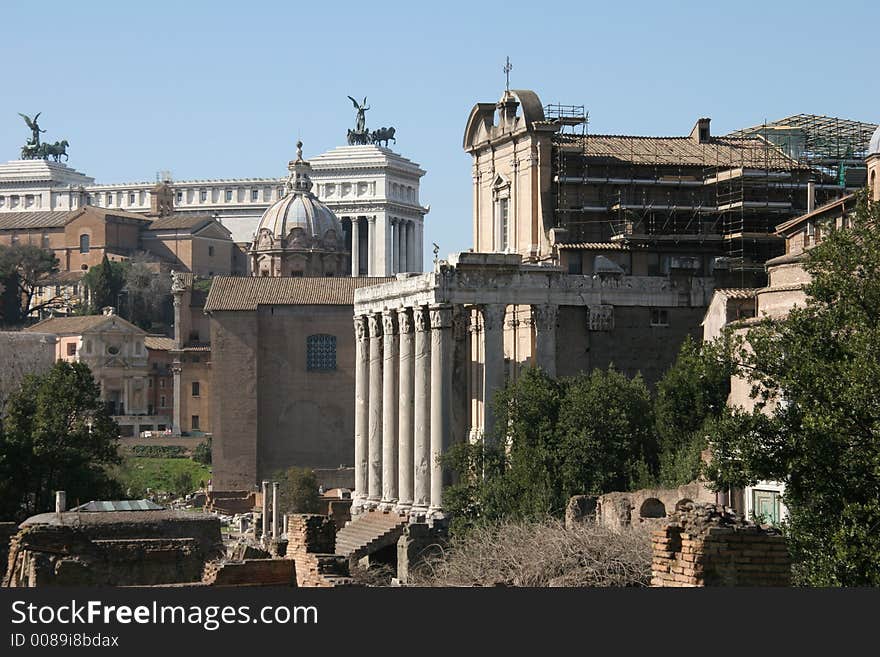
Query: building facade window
pixel 195 388
pixel 228 195
pixel 203 196
pixel 131 198
pixel 180 197
pixel 162 384
pixel 195 423
pixel 210 251
pixel 255 195
pixel 71 349
pixel 321 353
pixel 162 399
pixel 659 317
pixel 84 244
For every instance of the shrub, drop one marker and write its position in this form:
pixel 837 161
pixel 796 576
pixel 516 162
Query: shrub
pixel 541 553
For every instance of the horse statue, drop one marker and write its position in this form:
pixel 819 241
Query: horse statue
pixel 382 134
pixel 356 138
pixel 56 150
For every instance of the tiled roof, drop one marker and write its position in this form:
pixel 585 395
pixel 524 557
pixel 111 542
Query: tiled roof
pixel 180 222
pixel 752 152
pixel 842 204
pixel 67 324
pixel 40 219
pixel 246 293
pixel 594 246
pixel 58 218
pixel 737 292
pixel 159 342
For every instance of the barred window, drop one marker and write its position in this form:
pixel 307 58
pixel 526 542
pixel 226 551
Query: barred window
pixel 321 353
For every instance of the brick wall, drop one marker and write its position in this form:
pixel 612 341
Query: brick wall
pixel 708 545
pixel 311 540
pixel 251 572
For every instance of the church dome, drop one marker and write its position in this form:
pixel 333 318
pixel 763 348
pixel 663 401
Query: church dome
pixel 874 147
pixel 298 219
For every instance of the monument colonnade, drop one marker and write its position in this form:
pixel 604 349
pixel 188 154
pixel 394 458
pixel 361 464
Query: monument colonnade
pixel 408 408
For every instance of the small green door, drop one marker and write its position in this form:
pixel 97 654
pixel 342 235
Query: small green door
pixel 765 506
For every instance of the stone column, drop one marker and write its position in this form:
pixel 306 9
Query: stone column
pixel 441 394
pixel 274 510
pixel 395 246
pixel 493 362
pixel 404 260
pixel 422 412
pixel 265 535
pixel 545 337
pixel 355 247
pixel 389 409
pixel 371 246
pixel 361 412
pixel 374 483
pixel 176 371
pixel 461 358
pixel 411 261
pixel 406 382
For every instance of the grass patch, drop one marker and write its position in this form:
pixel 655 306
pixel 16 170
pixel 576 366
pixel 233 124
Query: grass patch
pixel 137 473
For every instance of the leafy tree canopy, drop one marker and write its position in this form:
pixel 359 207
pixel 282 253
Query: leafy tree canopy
pixel 23 267
pixel 816 424
pixel 57 435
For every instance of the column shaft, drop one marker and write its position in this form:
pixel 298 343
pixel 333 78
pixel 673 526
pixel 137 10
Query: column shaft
pixel 275 511
pixel 371 246
pixel 401 248
pixel 395 245
pixel 493 362
pixel 265 508
pixel 389 408
pixel 545 337
pixel 374 484
pixel 422 411
pixel 406 384
pixel 355 247
pixel 361 411
pixel 441 394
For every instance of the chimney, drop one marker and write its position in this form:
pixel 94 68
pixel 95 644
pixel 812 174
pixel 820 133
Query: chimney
pixel 811 195
pixel 60 501
pixel 700 132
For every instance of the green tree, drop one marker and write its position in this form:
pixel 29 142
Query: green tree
pixel 148 292
pixel 587 434
pixel 692 392
pixel 202 452
pixel 104 284
pixel 22 268
pixel 816 424
pixel 298 491
pixel 57 435
pixel 182 483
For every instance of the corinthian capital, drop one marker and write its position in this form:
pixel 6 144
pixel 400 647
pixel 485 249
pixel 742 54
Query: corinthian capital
pixel 493 315
pixel 360 328
pixel 404 320
pixel 545 316
pixel 441 316
pixel 375 325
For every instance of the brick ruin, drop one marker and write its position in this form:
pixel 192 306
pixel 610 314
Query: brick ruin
pixel 311 543
pixel 709 545
pixel 112 549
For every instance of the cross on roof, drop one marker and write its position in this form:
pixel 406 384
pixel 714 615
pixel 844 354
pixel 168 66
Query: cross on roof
pixel 507 68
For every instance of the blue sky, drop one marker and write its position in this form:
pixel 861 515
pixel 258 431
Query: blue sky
pixel 223 89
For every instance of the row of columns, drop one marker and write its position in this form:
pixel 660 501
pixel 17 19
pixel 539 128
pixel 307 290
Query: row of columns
pixel 405 419
pixel 402 246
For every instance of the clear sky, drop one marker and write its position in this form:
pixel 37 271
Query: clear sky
pixel 224 89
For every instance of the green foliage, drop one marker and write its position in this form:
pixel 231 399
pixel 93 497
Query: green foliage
pixel 148 293
pixel 104 283
pixel 692 393
pixel 182 483
pixel 159 451
pixel 202 452
pixel 587 434
pixel 57 435
pixel 22 267
pixel 298 491
pixel 816 425
pixel 136 474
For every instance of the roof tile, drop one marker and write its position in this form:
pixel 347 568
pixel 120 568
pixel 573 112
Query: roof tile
pixel 246 293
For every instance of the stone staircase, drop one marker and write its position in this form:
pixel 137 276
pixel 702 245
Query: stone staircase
pixel 370 532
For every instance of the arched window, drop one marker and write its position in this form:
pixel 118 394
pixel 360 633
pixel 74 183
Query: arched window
pixel 83 243
pixel 652 508
pixel 321 353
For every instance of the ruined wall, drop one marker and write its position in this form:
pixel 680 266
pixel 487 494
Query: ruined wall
pixel 311 540
pixel 251 572
pixel 708 545
pixel 112 549
pixel 648 505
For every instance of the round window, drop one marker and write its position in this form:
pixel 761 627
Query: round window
pixel 112 350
